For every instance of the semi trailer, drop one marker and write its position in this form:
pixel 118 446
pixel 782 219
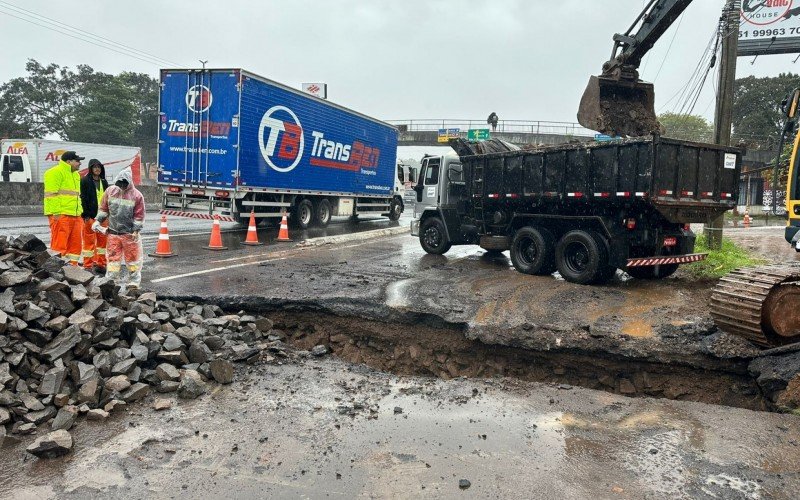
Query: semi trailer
pixel 232 142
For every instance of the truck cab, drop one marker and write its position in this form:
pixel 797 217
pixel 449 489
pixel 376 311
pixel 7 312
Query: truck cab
pixel 15 168
pixel 441 202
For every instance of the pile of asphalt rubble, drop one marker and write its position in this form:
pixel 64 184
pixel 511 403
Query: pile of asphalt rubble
pixel 72 345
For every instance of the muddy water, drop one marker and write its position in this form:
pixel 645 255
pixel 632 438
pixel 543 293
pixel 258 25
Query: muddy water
pixel 322 429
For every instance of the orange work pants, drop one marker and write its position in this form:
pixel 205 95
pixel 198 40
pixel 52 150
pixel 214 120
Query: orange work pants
pixel 65 236
pixel 94 245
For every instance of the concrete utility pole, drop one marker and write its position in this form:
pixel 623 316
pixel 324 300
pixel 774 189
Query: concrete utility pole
pixel 723 116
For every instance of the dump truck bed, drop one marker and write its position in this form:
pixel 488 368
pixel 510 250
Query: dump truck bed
pixel 685 181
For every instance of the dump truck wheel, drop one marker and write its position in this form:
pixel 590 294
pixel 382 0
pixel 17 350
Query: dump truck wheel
pixel 432 236
pixel 580 258
pixel 532 251
pixel 322 213
pixel 607 271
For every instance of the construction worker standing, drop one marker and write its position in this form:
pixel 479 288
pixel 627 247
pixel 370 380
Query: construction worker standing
pixel 123 205
pixel 62 206
pixel 93 185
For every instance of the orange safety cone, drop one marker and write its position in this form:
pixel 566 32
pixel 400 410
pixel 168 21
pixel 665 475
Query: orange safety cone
pixel 283 234
pixel 163 248
pixel 746 220
pixel 215 243
pixel 252 235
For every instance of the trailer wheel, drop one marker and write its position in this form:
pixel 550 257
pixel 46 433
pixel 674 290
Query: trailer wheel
pixel 580 258
pixel 433 237
pixel 322 213
pixel 303 214
pixel 395 209
pixel 532 251
pixel 652 272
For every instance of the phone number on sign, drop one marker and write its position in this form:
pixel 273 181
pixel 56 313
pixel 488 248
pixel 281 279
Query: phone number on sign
pixel 769 32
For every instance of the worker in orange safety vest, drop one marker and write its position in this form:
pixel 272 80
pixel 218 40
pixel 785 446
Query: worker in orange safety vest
pixel 62 206
pixel 93 185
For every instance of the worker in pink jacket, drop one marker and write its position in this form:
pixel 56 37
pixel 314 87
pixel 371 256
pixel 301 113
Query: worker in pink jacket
pixel 123 205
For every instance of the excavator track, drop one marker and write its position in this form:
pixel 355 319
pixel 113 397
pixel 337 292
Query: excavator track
pixel 761 304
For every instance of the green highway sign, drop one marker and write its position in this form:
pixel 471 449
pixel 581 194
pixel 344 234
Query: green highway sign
pixel 478 134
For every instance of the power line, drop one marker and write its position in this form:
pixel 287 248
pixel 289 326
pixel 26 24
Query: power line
pixel 91 38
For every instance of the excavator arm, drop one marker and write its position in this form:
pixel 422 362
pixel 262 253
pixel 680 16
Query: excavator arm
pixel 617 102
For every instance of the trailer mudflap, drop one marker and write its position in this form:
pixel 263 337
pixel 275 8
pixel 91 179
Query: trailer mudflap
pixel 662 260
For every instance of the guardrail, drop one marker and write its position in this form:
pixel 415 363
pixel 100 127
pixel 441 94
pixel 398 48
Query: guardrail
pixel 509 126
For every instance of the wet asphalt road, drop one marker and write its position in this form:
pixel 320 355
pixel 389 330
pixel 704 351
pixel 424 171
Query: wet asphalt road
pixel 325 429
pixel 198 230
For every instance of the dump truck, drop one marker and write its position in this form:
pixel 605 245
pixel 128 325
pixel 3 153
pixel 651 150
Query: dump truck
pixel 585 210
pixel 232 142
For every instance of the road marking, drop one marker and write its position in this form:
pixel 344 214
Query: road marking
pixel 243 264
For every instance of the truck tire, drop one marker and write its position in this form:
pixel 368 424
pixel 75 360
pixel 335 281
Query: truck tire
pixel 433 237
pixel 580 258
pixel 302 214
pixel 395 209
pixel 652 272
pixel 532 251
pixel 322 213
pixel 608 271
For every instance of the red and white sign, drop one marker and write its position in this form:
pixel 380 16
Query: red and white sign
pixel 316 89
pixel 769 19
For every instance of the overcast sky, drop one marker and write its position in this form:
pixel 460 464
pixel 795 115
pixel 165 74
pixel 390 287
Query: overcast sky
pixel 409 59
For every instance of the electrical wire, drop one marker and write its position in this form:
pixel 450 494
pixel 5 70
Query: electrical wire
pixel 677 28
pixel 91 38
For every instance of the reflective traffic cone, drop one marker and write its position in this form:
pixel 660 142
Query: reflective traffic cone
pixel 215 243
pixel 252 235
pixel 163 248
pixel 283 234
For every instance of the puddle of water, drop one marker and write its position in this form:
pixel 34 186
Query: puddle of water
pixel 638 328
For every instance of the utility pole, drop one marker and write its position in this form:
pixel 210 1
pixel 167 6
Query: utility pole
pixel 203 63
pixel 723 117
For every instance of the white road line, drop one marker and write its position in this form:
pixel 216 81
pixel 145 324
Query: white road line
pixel 206 271
pixel 243 264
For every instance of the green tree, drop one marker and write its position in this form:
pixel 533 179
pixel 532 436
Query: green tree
pixel 106 115
pixel 13 124
pixel 757 116
pixel 686 127
pixel 82 105
pixel 144 91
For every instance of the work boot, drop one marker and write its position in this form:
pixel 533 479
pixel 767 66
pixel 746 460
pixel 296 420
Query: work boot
pixel 99 270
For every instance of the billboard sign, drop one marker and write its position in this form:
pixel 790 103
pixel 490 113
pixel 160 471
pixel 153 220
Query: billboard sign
pixel 769 27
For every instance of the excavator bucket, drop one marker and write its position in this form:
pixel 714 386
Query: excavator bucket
pixel 621 108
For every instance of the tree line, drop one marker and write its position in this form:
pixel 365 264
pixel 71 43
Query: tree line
pixel 81 105
pixel 89 106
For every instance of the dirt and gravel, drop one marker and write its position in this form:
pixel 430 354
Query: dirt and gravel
pixel 321 428
pixel 414 403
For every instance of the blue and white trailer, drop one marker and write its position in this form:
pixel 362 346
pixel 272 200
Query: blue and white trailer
pixel 231 141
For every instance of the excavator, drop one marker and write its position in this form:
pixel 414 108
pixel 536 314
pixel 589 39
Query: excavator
pixel 617 102
pixel 761 304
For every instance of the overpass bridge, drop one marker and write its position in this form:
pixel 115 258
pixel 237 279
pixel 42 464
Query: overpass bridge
pixel 425 132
